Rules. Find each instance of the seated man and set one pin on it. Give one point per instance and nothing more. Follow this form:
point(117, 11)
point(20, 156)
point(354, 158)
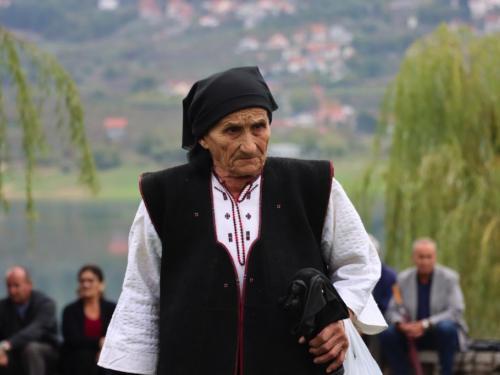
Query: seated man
point(28, 328)
point(434, 302)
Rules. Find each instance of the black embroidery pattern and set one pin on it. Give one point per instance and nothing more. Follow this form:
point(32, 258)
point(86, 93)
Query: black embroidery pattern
point(237, 222)
point(224, 195)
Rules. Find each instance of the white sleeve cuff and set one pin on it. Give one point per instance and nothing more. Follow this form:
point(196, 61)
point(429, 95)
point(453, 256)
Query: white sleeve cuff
point(370, 320)
point(119, 358)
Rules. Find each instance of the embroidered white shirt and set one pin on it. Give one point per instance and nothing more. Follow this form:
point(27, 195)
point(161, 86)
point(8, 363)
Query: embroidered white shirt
point(131, 343)
point(237, 221)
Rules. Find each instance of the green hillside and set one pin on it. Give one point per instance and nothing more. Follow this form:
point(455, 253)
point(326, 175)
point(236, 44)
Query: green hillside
point(127, 63)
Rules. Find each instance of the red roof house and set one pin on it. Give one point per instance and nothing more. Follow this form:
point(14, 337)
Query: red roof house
point(115, 126)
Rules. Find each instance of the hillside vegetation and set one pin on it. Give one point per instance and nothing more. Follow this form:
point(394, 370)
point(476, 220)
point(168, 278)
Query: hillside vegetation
point(126, 63)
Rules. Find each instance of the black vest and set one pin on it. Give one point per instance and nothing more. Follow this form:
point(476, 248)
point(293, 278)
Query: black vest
point(205, 327)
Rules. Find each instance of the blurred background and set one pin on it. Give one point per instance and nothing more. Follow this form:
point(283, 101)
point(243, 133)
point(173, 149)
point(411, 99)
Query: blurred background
point(328, 64)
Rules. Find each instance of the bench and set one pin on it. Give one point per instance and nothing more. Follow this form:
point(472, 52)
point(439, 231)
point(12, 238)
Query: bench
point(466, 363)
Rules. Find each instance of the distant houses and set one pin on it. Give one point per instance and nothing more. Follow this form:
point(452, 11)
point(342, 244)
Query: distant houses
point(179, 10)
point(320, 48)
point(115, 127)
point(331, 112)
point(213, 12)
point(220, 7)
point(277, 41)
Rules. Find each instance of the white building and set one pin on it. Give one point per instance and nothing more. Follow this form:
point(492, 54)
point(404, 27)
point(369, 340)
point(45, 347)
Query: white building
point(479, 8)
point(208, 21)
point(108, 4)
point(492, 24)
point(285, 150)
point(248, 44)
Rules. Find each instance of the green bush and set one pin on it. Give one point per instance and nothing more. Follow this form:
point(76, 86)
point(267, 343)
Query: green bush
point(302, 99)
point(366, 122)
point(107, 158)
point(110, 73)
point(144, 84)
point(157, 149)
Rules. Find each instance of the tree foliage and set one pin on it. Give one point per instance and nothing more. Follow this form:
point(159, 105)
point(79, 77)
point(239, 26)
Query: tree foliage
point(66, 19)
point(31, 77)
point(442, 180)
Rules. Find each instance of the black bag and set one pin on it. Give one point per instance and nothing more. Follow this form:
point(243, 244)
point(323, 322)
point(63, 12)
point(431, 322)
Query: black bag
point(313, 303)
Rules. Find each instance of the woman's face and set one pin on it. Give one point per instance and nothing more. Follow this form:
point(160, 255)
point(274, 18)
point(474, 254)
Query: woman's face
point(89, 285)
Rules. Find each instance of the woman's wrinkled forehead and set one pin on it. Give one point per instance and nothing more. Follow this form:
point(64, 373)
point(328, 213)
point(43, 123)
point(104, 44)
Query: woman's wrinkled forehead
point(244, 115)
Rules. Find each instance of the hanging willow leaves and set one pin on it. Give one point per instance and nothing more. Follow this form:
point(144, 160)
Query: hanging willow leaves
point(49, 80)
point(442, 179)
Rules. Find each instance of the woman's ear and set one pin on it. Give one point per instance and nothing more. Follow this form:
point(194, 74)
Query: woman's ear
point(203, 143)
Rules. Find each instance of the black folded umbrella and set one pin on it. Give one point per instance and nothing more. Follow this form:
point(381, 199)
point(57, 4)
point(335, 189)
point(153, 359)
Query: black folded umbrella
point(313, 303)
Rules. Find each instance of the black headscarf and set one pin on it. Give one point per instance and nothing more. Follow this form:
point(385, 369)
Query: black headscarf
point(215, 97)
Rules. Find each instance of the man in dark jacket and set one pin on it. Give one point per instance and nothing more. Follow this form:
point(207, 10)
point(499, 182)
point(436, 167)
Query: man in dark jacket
point(28, 328)
point(383, 289)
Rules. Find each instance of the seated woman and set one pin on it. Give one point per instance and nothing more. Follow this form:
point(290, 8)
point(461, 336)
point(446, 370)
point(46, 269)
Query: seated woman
point(84, 324)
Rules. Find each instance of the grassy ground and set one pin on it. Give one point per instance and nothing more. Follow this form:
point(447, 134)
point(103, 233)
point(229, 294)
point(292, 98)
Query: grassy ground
point(51, 184)
point(121, 184)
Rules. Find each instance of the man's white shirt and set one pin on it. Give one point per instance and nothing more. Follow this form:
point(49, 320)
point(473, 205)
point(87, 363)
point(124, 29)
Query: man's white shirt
point(131, 343)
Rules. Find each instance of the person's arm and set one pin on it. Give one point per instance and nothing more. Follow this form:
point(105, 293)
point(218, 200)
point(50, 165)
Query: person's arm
point(44, 321)
point(72, 330)
point(4, 358)
point(131, 343)
point(456, 304)
point(353, 262)
point(354, 268)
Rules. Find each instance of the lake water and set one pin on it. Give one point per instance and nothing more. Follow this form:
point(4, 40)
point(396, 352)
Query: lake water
point(69, 235)
point(66, 236)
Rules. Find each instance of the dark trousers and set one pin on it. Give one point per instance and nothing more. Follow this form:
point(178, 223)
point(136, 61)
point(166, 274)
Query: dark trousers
point(35, 358)
point(443, 337)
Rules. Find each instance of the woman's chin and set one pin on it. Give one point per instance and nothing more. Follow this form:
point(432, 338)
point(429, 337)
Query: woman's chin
point(250, 169)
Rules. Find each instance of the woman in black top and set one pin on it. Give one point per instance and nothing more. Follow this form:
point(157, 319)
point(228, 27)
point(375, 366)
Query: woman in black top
point(84, 325)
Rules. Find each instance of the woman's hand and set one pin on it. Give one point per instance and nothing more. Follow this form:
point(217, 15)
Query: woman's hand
point(330, 344)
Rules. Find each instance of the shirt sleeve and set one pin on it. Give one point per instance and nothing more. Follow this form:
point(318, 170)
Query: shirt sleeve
point(131, 343)
point(352, 260)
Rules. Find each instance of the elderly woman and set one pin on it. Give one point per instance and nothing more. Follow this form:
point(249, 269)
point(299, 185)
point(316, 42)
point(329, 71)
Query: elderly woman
point(84, 324)
point(215, 243)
